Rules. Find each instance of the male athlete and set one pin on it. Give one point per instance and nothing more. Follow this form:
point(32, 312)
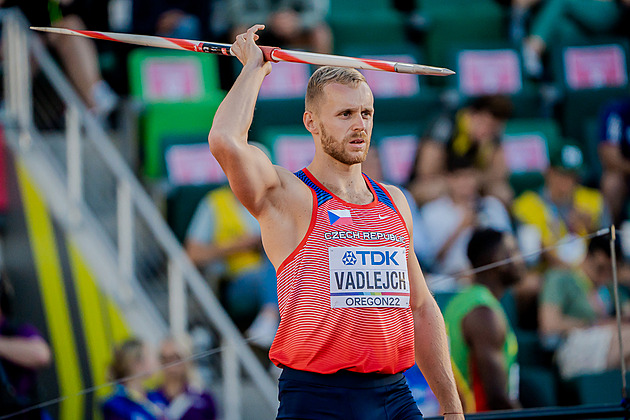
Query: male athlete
point(355, 309)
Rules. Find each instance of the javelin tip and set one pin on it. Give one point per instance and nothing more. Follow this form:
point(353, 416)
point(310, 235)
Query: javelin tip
point(48, 29)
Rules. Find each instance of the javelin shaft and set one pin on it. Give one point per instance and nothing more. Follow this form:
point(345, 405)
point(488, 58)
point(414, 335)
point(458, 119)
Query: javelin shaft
point(271, 53)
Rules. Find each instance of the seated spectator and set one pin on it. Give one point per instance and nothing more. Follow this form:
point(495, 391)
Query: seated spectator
point(289, 23)
point(180, 394)
point(131, 365)
point(449, 221)
point(563, 209)
point(170, 18)
point(614, 153)
point(520, 14)
point(574, 311)
point(483, 345)
point(23, 352)
point(78, 54)
point(224, 239)
point(570, 21)
point(474, 132)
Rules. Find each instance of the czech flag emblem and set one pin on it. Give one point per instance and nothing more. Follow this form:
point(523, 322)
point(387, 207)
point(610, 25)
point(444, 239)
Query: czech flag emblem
point(339, 217)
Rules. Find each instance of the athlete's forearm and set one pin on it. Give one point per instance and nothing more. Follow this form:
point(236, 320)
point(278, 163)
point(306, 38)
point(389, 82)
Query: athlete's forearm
point(432, 355)
point(235, 114)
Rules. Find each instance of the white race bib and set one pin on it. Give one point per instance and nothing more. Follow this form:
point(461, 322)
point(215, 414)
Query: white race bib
point(368, 277)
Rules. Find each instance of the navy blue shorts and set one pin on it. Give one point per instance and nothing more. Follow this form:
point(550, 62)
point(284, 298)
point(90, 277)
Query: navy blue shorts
point(345, 395)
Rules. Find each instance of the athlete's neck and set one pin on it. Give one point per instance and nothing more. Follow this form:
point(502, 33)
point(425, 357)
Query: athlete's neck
point(345, 181)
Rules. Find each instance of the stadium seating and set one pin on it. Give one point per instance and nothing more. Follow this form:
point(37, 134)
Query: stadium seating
point(451, 21)
point(493, 68)
point(281, 99)
point(595, 389)
point(179, 93)
point(291, 147)
point(377, 23)
point(397, 145)
point(527, 144)
point(588, 75)
point(181, 205)
point(190, 171)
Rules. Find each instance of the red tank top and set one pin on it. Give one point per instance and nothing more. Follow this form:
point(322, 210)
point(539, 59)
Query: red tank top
point(344, 291)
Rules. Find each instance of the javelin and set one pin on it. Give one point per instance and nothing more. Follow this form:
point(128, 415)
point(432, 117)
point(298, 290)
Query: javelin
point(272, 54)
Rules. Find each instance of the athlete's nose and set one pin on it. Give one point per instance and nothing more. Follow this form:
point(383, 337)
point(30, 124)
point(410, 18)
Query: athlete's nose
point(359, 123)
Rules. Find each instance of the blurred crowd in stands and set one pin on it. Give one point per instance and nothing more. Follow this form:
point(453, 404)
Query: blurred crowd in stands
point(179, 393)
point(504, 159)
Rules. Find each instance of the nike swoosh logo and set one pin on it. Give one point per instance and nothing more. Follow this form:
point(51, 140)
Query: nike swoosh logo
point(381, 217)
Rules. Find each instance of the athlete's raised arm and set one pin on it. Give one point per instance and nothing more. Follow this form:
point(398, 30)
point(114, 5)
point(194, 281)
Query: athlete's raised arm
point(249, 170)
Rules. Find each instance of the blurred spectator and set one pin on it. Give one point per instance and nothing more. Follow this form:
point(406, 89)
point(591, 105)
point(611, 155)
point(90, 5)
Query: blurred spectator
point(563, 210)
point(180, 395)
point(576, 309)
point(416, 24)
point(22, 352)
point(482, 342)
point(131, 365)
point(449, 221)
point(570, 21)
point(520, 13)
point(78, 54)
point(171, 18)
point(474, 131)
point(289, 23)
point(614, 152)
point(224, 238)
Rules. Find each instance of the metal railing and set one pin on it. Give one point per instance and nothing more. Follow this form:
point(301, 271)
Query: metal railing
point(594, 411)
point(93, 193)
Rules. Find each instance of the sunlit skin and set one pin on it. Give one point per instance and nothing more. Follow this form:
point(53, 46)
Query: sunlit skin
point(341, 125)
point(342, 122)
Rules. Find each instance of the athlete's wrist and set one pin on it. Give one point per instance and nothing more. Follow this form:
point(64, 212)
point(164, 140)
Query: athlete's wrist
point(254, 67)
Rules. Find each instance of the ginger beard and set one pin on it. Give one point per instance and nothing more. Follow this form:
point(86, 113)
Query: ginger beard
point(337, 150)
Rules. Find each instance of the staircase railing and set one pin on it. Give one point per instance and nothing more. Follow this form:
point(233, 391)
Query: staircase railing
point(96, 196)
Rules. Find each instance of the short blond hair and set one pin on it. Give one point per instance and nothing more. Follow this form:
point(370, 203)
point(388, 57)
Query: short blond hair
point(326, 75)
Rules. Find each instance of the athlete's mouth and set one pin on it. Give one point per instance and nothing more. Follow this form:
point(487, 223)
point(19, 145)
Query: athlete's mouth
point(357, 141)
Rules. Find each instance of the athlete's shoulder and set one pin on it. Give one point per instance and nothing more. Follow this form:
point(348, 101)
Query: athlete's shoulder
point(397, 195)
point(393, 190)
point(289, 179)
point(400, 201)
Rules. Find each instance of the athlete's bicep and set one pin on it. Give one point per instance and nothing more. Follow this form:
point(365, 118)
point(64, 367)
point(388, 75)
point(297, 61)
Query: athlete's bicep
point(249, 171)
point(419, 290)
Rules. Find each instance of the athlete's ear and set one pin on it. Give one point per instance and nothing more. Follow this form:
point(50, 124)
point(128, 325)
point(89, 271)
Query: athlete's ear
point(310, 123)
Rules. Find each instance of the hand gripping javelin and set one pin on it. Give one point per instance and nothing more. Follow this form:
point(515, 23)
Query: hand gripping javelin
point(272, 54)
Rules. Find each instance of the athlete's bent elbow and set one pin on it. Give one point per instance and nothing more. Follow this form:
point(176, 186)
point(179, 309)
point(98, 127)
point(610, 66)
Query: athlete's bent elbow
point(219, 143)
